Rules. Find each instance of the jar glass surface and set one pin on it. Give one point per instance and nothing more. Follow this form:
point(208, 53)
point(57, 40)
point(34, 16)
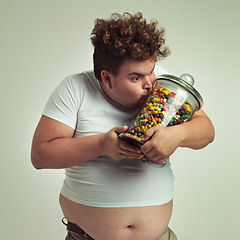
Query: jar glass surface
point(170, 103)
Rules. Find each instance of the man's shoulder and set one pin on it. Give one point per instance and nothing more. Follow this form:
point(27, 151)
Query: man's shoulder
point(159, 70)
point(81, 79)
point(82, 75)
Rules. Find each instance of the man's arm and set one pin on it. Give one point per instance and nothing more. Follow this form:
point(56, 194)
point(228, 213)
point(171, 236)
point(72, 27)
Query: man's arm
point(54, 147)
point(198, 132)
point(195, 134)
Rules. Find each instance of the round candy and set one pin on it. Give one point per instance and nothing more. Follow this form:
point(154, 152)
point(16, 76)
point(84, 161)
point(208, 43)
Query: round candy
point(164, 108)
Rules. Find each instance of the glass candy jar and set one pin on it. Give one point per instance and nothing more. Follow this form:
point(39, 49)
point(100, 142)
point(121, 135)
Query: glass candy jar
point(172, 101)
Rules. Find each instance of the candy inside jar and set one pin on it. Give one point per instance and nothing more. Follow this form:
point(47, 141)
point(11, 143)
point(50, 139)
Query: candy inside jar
point(172, 101)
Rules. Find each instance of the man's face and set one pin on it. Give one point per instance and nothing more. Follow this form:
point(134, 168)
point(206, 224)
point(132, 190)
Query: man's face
point(132, 84)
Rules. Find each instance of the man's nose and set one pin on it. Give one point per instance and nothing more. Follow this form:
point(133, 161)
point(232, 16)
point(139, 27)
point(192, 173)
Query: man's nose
point(148, 83)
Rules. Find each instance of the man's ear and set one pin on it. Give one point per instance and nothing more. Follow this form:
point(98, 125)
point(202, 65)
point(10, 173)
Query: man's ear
point(106, 79)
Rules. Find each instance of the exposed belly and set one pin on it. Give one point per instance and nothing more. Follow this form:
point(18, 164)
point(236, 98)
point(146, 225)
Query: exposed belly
point(131, 223)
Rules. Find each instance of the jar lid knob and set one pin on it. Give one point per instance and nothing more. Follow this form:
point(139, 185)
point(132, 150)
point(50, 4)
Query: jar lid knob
point(187, 78)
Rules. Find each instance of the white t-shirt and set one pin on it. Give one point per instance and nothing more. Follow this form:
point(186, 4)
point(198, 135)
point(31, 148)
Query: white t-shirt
point(80, 103)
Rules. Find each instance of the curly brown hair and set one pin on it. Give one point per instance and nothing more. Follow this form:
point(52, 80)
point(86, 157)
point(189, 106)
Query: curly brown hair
point(126, 36)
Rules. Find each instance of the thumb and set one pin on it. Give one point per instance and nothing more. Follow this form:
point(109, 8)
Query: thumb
point(120, 129)
point(148, 134)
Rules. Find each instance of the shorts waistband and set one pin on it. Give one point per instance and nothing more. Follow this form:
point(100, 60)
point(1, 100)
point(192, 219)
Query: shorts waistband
point(75, 228)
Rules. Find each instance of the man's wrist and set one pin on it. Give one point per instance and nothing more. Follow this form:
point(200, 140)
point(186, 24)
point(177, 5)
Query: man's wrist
point(183, 134)
point(100, 144)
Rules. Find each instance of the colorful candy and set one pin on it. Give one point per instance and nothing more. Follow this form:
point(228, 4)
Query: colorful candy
point(163, 108)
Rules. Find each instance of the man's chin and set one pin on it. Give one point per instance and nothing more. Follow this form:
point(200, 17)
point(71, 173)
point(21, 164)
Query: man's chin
point(142, 101)
point(139, 103)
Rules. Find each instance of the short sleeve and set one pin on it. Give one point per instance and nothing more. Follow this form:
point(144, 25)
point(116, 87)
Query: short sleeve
point(159, 71)
point(63, 104)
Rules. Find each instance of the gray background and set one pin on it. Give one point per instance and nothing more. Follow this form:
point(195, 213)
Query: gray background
point(43, 41)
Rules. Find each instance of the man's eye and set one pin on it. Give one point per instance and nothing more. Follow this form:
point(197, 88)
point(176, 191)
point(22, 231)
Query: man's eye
point(136, 78)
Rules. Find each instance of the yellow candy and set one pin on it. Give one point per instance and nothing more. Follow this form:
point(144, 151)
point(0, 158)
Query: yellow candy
point(155, 123)
point(164, 113)
point(166, 91)
point(189, 108)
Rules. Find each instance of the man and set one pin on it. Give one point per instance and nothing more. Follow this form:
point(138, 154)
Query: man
point(109, 193)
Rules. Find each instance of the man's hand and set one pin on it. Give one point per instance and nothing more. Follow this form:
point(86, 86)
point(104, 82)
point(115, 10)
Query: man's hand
point(111, 145)
point(161, 142)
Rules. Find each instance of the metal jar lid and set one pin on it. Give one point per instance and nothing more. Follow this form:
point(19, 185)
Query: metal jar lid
point(186, 81)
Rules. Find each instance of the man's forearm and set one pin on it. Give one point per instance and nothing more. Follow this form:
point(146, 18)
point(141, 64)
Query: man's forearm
point(198, 132)
point(66, 152)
